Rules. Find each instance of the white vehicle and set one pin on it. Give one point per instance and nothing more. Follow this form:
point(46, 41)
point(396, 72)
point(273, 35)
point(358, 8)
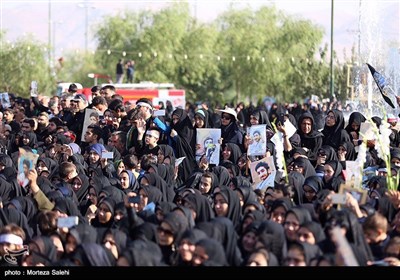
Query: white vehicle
point(63, 88)
point(154, 91)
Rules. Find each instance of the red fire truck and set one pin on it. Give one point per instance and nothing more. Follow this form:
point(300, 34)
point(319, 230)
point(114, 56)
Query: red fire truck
point(155, 92)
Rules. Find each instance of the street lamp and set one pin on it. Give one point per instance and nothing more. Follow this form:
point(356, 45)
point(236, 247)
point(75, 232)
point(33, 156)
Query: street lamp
point(54, 25)
point(332, 73)
point(86, 6)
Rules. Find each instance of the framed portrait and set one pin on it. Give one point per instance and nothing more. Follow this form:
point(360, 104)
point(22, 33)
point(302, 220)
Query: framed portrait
point(263, 173)
point(208, 145)
point(359, 194)
point(258, 140)
point(5, 100)
point(91, 117)
point(26, 161)
point(353, 173)
point(367, 131)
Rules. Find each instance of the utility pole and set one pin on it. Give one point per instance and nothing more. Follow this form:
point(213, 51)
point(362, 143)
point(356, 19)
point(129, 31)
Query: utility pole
point(359, 34)
point(54, 37)
point(49, 36)
point(332, 77)
point(86, 26)
point(86, 6)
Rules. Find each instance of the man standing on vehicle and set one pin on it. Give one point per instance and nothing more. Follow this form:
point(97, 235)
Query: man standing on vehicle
point(119, 72)
point(130, 71)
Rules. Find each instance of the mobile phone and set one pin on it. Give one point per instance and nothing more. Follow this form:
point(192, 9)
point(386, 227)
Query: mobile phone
point(380, 263)
point(159, 113)
point(107, 155)
point(338, 198)
point(134, 199)
point(3, 150)
point(34, 87)
point(67, 222)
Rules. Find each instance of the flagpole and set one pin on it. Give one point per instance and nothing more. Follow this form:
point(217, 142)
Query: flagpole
point(332, 77)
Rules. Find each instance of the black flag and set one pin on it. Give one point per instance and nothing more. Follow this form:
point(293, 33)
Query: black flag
point(386, 91)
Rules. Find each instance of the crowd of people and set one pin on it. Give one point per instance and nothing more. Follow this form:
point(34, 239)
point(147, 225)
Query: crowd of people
point(130, 191)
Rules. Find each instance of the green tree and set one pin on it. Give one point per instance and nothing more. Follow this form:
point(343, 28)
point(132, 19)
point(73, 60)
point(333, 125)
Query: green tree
point(267, 52)
point(243, 55)
point(117, 35)
point(76, 67)
point(21, 62)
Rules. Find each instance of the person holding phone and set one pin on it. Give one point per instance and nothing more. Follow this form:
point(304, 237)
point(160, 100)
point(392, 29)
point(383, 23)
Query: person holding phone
point(97, 161)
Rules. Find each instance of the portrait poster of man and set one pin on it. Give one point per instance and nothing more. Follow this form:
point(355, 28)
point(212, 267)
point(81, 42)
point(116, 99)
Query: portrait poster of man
point(91, 117)
point(208, 145)
point(5, 100)
point(263, 173)
point(26, 161)
point(258, 140)
point(353, 172)
point(367, 130)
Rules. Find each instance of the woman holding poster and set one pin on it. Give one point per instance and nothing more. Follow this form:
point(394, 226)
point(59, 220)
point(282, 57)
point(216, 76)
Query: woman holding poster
point(230, 131)
point(26, 161)
point(207, 144)
point(259, 117)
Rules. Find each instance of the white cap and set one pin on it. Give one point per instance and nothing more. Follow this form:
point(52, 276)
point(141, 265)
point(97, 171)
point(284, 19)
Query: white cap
point(229, 111)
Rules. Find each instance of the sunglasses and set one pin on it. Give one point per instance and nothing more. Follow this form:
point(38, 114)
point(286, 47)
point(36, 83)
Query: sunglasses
point(165, 231)
point(226, 117)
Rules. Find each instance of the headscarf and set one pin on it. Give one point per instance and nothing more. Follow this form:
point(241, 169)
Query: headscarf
point(182, 143)
point(334, 135)
point(214, 251)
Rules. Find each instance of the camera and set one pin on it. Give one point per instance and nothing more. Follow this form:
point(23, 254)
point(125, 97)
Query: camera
point(3, 150)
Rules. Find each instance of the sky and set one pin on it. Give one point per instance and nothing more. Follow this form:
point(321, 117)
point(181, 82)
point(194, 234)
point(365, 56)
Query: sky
point(19, 18)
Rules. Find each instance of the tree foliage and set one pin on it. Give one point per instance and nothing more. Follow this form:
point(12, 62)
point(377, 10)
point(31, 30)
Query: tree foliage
point(244, 54)
point(22, 62)
point(76, 67)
